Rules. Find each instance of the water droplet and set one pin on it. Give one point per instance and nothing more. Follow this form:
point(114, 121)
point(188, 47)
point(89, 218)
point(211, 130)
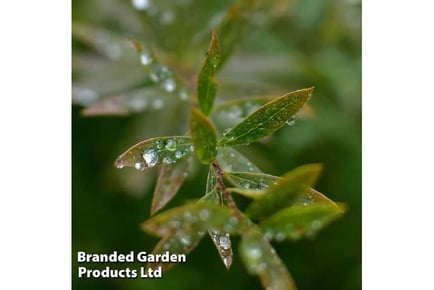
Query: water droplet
point(145, 58)
point(151, 157)
point(226, 131)
point(140, 166)
point(159, 144)
point(254, 253)
point(291, 121)
point(225, 242)
point(246, 185)
point(167, 17)
point(185, 239)
point(179, 154)
point(141, 4)
point(171, 145)
point(280, 236)
point(157, 104)
point(137, 103)
point(183, 95)
point(227, 260)
point(169, 85)
point(269, 234)
point(168, 160)
point(174, 222)
point(84, 96)
point(204, 214)
point(191, 148)
point(159, 72)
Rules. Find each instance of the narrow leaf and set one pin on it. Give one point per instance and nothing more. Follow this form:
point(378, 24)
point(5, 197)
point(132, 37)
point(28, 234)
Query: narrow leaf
point(204, 136)
point(190, 218)
point(155, 151)
point(233, 25)
point(178, 243)
point(230, 159)
point(261, 259)
point(206, 86)
point(267, 119)
point(230, 113)
point(169, 181)
point(295, 222)
point(285, 191)
point(312, 196)
point(252, 181)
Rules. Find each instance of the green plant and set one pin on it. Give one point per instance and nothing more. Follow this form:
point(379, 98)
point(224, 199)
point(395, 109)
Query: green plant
point(282, 208)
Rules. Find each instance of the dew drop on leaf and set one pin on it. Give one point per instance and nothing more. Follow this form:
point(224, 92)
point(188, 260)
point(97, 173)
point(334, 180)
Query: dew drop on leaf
point(171, 145)
point(141, 4)
point(140, 166)
point(145, 58)
point(291, 121)
point(151, 157)
point(169, 85)
point(179, 154)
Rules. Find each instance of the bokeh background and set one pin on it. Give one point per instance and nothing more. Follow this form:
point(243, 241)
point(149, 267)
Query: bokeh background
point(287, 45)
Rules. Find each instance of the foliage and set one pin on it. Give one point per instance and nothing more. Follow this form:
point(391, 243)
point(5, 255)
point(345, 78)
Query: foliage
point(160, 78)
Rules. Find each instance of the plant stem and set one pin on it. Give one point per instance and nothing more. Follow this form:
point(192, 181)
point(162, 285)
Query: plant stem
point(227, 195)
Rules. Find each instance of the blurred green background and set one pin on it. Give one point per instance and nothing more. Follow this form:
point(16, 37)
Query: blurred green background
point(287, 45)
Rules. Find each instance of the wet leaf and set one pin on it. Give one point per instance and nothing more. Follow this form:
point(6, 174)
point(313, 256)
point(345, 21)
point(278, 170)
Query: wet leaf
point(211, 180)
point(178, 243)
point(105, 42)
point(295, 222)
point(285, 192)
point(233, 25)
point(155, 151)
point(261, 259)
point(230, 159)
point(204, 136)
point(197, 217)
point(206, 86)
point(252, 181)
point(169, 181)
point(267, 119)
point(312, 196)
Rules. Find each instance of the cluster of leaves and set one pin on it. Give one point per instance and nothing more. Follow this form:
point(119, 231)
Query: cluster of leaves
point(282, 208)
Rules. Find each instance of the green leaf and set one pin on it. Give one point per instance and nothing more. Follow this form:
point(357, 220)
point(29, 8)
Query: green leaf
point(155, 151)
point(252, 181)
point(267, 119)
point(206, 86)
point(204, 136)
point(261, 259)
point(178, 243)
point(169, 181)
point(312, 196)
point(230, 113)
point(232, 26)
point(197, 217)
point(285, 191)
point(295, 222)
point(230, 159)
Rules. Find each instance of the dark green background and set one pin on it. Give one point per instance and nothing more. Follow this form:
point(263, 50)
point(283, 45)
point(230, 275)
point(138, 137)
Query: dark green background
point(296, 45)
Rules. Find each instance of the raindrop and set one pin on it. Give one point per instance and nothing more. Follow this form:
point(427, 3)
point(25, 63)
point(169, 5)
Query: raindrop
point(145, 58)
point(185, 239)
point(150, 157)
point(157, 104)
point(225, 132)
point(254, 253)
point(141, 4)
point(159, 144)
point(171, 145)
point(191, 148)
point(169, 85)
point(159, 72)
point(140, 166)
point(227, 260)
point(246, 185)
point(167, 17)
point(168, 160)
point(291, 121)
point(183, 95)
point(204, 214)
point(280, 236)
point(225, 242)
point(269, 235)
point(179, 154)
